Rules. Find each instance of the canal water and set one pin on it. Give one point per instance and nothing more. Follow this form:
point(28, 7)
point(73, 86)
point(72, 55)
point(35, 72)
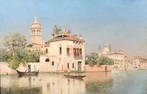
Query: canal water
point(133, 82)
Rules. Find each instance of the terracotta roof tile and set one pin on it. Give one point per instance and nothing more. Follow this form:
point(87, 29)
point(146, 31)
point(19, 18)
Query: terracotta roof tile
point(73, 37)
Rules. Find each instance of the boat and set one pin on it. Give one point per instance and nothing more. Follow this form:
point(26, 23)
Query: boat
point(30, 73)
point(76, 76)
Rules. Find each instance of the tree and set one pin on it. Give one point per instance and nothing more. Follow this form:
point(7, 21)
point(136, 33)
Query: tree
point(3, 54)
point(92, 59)
point(57, 30)
point(105, 61)
point(14, 62)
point(15, 45)
point(31, 56)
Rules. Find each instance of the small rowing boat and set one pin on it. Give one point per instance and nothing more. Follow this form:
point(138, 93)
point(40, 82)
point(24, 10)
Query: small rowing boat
point(32, 73)
point(76, 76)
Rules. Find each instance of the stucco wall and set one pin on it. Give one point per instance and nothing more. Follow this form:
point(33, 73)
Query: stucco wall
point(62, 60)
point(98, 68)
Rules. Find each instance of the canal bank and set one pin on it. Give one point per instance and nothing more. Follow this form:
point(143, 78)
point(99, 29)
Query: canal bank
point(43, 68)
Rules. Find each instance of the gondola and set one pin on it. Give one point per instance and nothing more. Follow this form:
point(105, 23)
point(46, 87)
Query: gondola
point(32, 73)
point(75, 76)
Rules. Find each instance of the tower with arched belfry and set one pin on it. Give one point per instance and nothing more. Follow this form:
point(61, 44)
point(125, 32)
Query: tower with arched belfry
point(36, 35)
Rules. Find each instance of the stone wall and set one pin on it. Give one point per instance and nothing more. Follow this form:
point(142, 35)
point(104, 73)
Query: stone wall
point(42, 67)
point(98, 68)
point(45, 67)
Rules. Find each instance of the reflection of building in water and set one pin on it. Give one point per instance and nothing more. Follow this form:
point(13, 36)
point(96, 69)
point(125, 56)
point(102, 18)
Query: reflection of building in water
point(98, 76)
point(98, 82)
point(21, 90)
point(58, 84)
point(50, 84)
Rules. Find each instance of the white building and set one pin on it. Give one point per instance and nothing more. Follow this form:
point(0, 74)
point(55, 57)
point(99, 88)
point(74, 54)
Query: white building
point(64, 52)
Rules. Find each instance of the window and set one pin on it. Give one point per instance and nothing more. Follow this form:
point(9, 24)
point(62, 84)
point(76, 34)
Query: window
point(80, 52)
point(68, 51)
point(46, 51)
point(77, 51)
point(73, 65)
point(68, 65)
point(52, 63)
point(74, 51)
point(47, 60)
point(60, 50)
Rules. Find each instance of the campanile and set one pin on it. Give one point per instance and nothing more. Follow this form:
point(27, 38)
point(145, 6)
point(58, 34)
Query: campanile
point(36, 35)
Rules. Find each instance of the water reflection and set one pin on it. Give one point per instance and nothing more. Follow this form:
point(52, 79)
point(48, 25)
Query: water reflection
point(21, 90)
point(99, 87)
point(98, 83)
point(94, 83)
point(132, 82)
point(49, 83)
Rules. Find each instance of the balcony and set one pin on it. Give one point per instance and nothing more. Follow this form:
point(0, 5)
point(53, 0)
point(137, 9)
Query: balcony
point(78, 57)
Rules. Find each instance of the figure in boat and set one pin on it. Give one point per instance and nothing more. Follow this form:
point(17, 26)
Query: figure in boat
point(28, 72)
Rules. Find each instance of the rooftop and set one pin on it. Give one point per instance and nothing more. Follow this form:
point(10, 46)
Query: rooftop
point(60, 35)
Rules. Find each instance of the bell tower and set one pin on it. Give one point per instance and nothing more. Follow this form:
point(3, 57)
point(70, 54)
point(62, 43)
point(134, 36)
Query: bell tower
point(36, 35)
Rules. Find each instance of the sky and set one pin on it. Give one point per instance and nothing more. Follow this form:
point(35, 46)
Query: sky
point(122, 23)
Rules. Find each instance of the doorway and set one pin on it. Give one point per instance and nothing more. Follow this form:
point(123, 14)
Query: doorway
point(79, 65)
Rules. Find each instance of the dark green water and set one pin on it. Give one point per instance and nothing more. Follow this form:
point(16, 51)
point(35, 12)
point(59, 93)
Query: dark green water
point(134, 82)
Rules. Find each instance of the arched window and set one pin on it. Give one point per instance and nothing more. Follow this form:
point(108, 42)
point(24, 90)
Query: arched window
point(47, 60)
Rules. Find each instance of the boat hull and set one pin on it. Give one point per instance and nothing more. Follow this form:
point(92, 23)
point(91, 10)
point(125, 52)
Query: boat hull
point(33, 73)
point(75, 76)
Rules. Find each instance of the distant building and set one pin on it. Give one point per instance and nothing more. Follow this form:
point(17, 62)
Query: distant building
point(139, 61)
point(119, 57)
